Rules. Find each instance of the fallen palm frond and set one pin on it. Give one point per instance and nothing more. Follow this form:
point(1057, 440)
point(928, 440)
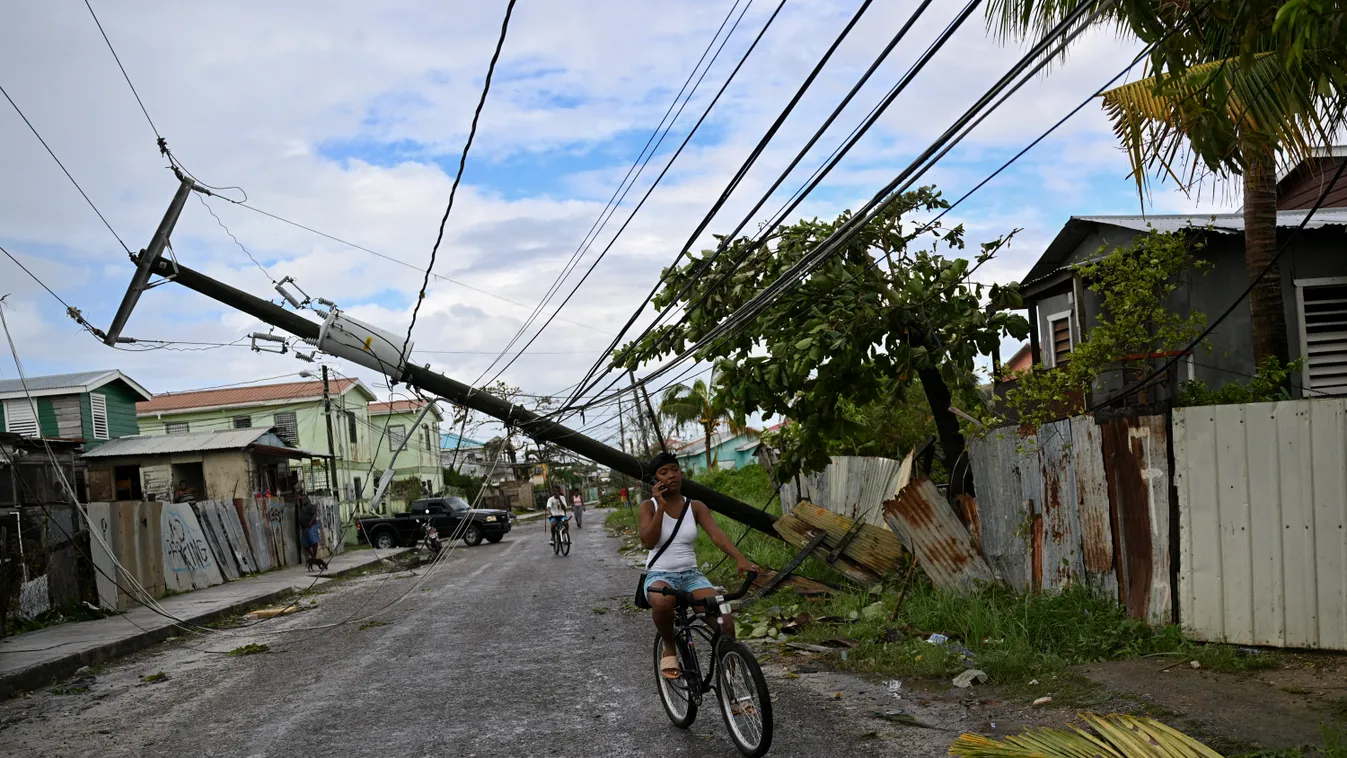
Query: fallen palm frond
point(1116, 736)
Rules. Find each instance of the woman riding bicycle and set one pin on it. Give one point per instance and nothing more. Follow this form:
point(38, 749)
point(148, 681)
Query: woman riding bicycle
point(663, 521)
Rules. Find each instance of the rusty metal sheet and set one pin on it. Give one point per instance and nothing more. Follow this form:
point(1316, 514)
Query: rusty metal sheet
point(873, 552)
point(851, 486)
point(1059, 559)
point(929, 529)
point(1009, 486)
point(1092, 499)
point(1136, 454)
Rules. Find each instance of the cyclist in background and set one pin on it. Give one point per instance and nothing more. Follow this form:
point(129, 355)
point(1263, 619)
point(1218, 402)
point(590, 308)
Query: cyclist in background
point(556, 513)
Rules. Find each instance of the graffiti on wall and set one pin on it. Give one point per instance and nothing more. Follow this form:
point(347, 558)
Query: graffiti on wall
point(188, 561)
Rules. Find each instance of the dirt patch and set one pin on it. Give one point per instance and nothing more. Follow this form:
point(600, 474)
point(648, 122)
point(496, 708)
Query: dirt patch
point(1271, 709)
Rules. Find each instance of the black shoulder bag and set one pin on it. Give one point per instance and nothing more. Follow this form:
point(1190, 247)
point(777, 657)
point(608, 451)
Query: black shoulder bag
point(641, 601)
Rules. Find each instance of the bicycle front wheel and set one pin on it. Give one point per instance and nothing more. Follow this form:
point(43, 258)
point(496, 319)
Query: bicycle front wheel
point(675, 694)
point(566, 542)
point(744, 700)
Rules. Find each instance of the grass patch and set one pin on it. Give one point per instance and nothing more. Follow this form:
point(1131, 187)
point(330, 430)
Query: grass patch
point(373, 624)
point(1232, 660)
point(249, 649)
point(158, 676)
point(67, 690)
point(1014, 638)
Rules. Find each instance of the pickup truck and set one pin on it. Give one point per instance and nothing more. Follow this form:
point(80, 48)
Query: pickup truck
point(451, 516)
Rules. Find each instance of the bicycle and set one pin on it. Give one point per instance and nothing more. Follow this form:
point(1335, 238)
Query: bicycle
point(733, 672)
point(561, 537)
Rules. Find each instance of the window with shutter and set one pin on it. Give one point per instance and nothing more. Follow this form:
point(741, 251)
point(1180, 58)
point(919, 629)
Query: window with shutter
point(243, 422)
point(287, 426)
point(396, 434)
point(1059, 335)
point(99, 405)
point(350, 425)
point(1323, 334)
point(21, 417)
point(177, 427)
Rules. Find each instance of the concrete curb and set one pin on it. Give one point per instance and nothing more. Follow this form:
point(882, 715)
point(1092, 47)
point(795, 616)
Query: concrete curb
point(49, 672)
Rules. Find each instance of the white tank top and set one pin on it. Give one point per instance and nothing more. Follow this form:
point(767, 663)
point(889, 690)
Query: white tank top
point(681, 554)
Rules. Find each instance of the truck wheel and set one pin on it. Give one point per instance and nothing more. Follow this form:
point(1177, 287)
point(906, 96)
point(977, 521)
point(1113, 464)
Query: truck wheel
point(494, 538)
point(385, 540)
point(472, 536)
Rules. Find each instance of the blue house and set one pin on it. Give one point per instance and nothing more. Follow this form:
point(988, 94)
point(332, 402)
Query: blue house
point(727, 450)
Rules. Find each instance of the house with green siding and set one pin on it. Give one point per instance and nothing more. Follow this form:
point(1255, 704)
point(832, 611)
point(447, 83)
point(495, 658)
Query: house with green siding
point(91, 407)
point(420, 457)
point(296, 411)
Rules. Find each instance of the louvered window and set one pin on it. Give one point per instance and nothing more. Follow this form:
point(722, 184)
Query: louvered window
point(1323, 335)
point(21, 417)
point(178, 427)
point(396, 435)
point(287, 427)
point(1059, 336)
point(99, 405)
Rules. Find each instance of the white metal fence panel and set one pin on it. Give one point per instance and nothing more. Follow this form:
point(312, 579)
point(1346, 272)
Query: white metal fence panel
point(1262, 494)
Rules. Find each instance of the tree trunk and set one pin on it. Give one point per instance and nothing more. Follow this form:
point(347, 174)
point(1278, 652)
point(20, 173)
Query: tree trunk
point(709, 464)
point(1267, 314)
point(947, 430)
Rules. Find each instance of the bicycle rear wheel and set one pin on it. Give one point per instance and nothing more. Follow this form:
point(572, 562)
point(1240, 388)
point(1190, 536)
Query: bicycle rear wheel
point(744, 700)
point(565, 542)
point(675, 694)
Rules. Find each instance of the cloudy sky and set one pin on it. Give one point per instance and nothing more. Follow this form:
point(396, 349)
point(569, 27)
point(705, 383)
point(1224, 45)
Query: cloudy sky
point(349, 117)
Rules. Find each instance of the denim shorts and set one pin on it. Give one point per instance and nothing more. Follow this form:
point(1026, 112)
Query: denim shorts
point(685, 581)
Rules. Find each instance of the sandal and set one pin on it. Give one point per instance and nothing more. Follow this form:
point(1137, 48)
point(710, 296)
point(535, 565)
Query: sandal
point(668, 667)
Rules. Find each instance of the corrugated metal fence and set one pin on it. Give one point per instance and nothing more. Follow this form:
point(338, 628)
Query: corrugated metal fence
point(1262, 500)
point(1083, 501)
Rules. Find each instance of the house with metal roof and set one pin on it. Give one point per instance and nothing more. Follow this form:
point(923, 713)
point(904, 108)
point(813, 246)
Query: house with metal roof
point(1314, 281)
point(224, 464)
point(728, 450)
point(91, 407)
point(297, 412)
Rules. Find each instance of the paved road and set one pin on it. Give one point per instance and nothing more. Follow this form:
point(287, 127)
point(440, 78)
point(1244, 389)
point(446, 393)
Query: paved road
point(505, 651)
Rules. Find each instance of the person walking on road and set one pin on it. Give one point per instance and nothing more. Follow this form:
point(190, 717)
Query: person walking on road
point(578, 508)
point(668, 527)
point(308, 528)
point(556, 511)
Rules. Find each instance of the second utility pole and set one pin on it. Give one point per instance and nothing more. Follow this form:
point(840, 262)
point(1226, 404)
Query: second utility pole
point(331, 449)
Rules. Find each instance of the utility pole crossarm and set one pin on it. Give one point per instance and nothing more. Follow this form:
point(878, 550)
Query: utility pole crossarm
point(514, 416)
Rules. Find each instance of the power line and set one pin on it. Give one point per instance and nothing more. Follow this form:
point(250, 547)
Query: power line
point(458, 177)
point(66, 171)
point(667, 166)
point(126, 76)
point(211, 211)
point(800, 155)
point(620, 193)
point(759, 301)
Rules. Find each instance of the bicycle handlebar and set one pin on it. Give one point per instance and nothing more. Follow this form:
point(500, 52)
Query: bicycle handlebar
point(690, 600)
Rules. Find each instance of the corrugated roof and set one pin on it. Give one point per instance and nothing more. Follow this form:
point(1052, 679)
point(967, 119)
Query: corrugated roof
point(449, 441)
point(197, 442)
point(82, 381)
point(263, 393)
point(1079, 227)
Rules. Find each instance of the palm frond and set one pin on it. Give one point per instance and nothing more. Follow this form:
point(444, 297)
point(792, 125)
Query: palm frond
point(1116, 736)
point(1210, 112)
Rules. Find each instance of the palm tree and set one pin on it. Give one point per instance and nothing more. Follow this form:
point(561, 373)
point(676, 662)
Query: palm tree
point(1116, 735)
point(1232, 85)
point(701, 405)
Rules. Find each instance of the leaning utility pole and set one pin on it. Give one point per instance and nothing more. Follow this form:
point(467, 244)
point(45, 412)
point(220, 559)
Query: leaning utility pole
point(345, 337)
point(331, 447)
point(621, 424)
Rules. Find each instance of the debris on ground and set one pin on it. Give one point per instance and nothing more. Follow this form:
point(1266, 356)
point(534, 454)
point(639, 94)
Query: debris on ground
point(266, 613)
point(249, 649)
point(937, 639)
point(901, 717)
point(969, 677)
point(1043, 701)
point(1195, 665)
